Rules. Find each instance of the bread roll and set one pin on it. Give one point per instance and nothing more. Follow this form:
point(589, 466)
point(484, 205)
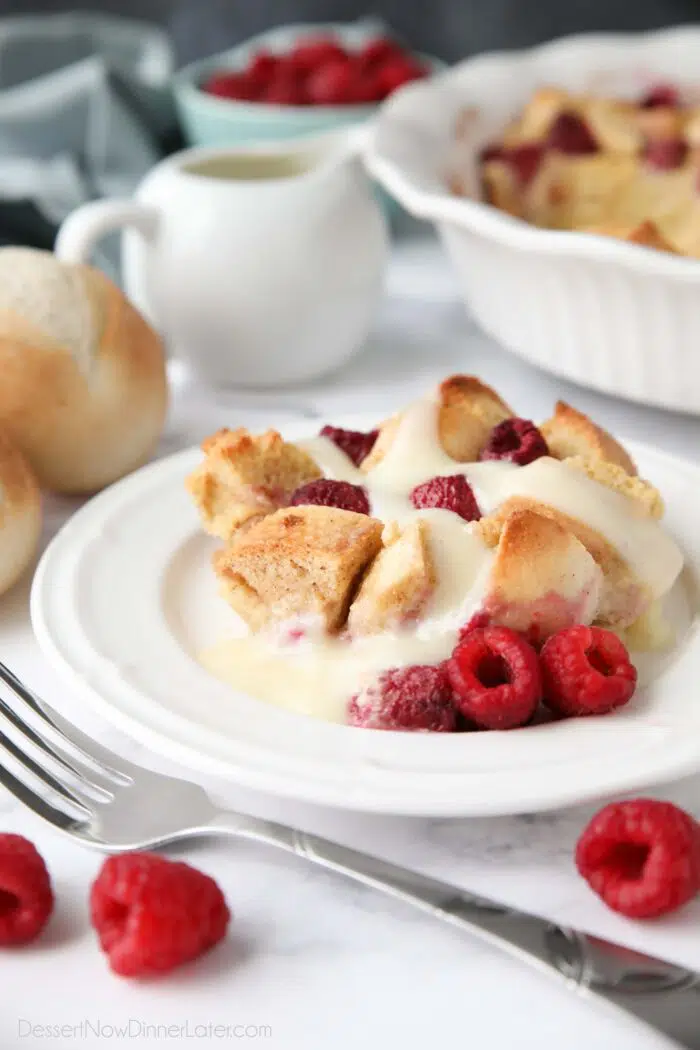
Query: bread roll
point(20, 514)
point(82, 375)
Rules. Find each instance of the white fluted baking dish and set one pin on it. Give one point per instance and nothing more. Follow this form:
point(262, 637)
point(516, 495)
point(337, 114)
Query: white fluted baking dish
point(604, 313)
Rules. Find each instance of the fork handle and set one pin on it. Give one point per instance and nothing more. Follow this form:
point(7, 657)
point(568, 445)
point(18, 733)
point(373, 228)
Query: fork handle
point(656, 992)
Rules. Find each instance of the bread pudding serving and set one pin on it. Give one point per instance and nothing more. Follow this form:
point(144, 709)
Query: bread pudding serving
point(626, 169)
point(459, 567)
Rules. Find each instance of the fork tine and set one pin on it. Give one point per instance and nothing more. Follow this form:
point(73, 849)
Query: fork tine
point(53, 741)
point(82, 774)
point(35, 802)
point(42, 775)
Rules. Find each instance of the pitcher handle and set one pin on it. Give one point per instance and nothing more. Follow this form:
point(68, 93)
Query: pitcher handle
point(88, 224)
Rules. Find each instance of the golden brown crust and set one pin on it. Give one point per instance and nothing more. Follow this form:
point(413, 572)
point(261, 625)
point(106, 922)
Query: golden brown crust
point(20, 513)
point(244, 477)
point(570, 433)
point(623, 596)
point(468, 412)
point(646, 497)
point(399, 582)
point(646, 233)
point(543, 578)
point(298, 563)
point(88, 411)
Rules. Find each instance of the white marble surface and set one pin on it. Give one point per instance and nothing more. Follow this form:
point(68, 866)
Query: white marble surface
point(316, 961)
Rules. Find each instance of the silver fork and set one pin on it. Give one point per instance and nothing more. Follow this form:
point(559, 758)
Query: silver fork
point(105, 802)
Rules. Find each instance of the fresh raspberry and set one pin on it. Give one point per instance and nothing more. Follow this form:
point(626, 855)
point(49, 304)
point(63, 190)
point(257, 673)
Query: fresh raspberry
point(661, 95)
point(233, 86)
point(153, 914)
point(449, 492)
point(333, 83)
point(476, 622)
point(397, 71)
point(327, 493)
point(261, 69)
point(284, 88)
point(641, 857)
point(26, 898)
point(586, 671)
point(354, 443)
point(406, 698)
point(495, 678)
point(312, 53)
point(377, 51)
point(570, 134)
point(665, 154)
point(517, 441)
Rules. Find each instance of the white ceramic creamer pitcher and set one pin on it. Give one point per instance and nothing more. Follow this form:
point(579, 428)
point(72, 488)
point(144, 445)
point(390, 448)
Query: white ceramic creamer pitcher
point(259, 266)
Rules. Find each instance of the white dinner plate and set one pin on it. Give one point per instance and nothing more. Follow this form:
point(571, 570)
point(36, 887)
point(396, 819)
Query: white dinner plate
point(124, 598)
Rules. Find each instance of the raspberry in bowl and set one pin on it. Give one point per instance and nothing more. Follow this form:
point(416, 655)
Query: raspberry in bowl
point(292, 81)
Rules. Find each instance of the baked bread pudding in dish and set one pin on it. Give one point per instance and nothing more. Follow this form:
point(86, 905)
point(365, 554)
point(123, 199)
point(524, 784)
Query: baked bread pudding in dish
point(626, 169)
point(453, 569)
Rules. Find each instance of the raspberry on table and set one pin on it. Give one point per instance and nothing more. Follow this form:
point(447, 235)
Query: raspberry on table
point(324, 492)
point(586, 671)
point(495, 678)
point(406, 698)
point(448, 492)
point(356, 444)
point(516, 441)
point(152, 914)
point(570, 134)
point(26, 897)
point(642, 857)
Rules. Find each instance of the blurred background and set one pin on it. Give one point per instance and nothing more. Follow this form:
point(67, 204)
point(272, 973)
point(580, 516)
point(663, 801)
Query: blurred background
point(450, 29)
point(86, 95)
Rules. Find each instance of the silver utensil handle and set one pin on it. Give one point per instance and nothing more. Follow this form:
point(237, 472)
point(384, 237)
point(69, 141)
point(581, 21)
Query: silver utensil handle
point(655, 992)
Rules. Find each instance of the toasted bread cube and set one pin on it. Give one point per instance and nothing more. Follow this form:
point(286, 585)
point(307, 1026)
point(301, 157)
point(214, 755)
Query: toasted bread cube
point(299, 563)
point(244, 477)
point(500, 187)
point(399, 583)
point(543, 579)
point(647, 498)
point(646, 233)
point(623, 596)
point(467, 413)
point(570, 433)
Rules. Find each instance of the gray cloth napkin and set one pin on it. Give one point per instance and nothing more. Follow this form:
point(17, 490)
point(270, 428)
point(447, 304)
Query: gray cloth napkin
point(85, 111)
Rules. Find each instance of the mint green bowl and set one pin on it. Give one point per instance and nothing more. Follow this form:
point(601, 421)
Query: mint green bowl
point(210, 121)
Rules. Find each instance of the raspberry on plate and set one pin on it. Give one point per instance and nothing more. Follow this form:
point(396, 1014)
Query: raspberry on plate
point(495, 678)
point(356, 444)
point(516, 441)
point(152, 914)
point(449, 492)
point(406, 698)
point(586, 671)
point(26, 897)
point(332, 83)
point(328, 493)
point(641, 857)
